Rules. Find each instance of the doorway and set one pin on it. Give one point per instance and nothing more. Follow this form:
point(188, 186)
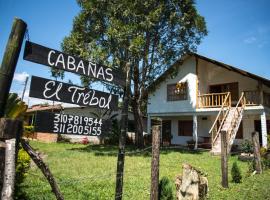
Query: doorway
point(166, 132)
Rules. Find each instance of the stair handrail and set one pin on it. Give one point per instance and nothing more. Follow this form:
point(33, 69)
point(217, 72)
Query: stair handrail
point(221, 109)
point(242, 100)
point(227, 98)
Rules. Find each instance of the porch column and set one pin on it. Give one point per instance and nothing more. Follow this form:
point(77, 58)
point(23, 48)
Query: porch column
point(264, 129)
point(195, 132)
point(148, 124)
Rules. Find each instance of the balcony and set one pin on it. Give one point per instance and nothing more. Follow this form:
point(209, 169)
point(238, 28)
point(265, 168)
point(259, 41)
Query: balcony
point(216, 100)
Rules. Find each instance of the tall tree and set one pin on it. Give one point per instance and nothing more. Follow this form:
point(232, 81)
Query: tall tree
point(149, 34)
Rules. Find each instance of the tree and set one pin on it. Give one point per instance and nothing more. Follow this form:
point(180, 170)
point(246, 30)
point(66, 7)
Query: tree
point(150, 35)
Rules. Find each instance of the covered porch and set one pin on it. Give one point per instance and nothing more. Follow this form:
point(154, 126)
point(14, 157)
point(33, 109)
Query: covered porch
point(187, 129)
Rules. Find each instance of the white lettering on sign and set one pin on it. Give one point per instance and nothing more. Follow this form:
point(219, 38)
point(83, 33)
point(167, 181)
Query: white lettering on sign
point(49, 57)
point(88, 69)
point(89, 98)
point(71, 61)
point(79, 125)
point(49, 86)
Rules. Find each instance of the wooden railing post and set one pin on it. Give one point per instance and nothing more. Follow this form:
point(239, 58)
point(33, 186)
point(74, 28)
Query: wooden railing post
point(10, 59)
point(155, 162)
point(256, 148)
point(9, 131)
point(224, 159)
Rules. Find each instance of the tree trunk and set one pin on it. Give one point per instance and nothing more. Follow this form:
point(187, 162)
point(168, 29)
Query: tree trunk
point(44, 168)
point(138, 120)
point(9, 174)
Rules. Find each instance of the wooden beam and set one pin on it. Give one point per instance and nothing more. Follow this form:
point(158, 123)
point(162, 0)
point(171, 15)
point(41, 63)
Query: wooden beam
point(10, 59)
point(155, 162)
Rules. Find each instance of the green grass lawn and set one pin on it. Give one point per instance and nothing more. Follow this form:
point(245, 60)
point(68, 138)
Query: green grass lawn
point(88, 172)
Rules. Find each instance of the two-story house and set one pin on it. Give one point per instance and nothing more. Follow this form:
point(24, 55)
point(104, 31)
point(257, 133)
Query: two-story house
point(197, 98)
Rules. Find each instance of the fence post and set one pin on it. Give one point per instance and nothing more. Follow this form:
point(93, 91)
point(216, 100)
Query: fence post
point(122, 138)
point(155, 162)
point(10, 59)
point(256, 149)
point(10, 130)
point(224, 159)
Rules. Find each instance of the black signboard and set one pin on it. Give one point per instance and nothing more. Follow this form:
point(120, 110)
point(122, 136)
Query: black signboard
point(56, 59)
point(58, 91)
point(48, 122)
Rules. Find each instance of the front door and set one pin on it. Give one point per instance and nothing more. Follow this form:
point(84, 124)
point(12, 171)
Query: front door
point(166, 132)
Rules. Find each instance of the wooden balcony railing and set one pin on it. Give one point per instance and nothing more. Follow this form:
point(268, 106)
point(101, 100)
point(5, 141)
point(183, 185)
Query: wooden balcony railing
point(266, 99)
point(214, 100)
point(252, 98)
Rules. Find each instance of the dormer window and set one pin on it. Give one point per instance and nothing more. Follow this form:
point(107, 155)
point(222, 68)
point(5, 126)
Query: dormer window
point(177, 91)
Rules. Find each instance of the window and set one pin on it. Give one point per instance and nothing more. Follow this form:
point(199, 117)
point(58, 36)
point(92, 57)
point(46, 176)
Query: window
point(176, 94)
point(185, 127)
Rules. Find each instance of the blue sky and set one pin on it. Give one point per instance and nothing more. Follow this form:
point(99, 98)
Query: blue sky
point(239, 32)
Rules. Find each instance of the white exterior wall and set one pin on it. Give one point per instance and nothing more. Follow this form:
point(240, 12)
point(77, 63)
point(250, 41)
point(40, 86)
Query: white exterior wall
point(157, 101)
point(210, 74)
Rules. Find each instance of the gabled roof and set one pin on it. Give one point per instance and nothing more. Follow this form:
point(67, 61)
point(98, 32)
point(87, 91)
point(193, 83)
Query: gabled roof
point(172, 68)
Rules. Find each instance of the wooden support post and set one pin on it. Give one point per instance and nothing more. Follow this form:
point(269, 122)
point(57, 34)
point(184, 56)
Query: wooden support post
point(9, 131)
point(9, 173)
point(256, 149)
point(10, 59)
point(44, 168)
point(224, 159)
point(122, 138)
point(155, 162)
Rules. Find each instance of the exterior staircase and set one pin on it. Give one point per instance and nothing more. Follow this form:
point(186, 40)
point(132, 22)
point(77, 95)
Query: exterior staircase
point(228, 120)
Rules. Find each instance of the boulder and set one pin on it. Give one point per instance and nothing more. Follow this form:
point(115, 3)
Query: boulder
point(191, 185)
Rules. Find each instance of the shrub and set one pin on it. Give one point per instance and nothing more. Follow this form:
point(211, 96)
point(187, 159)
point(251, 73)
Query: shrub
point(247, 147)
point(165, 189)
point(265, 163)
point(236, 173)
point(23, 165)
point(113, 137)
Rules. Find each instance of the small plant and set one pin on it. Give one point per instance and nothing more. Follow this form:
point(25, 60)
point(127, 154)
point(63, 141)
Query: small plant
point(247, 147)
point(165, 189)
point(23, 165)
point(236, 173)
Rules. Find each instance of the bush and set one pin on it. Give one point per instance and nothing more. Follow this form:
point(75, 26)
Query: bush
point(113, 137)
point(165, 189)
point(23, 165)
point(247, 147)
point(236, 173)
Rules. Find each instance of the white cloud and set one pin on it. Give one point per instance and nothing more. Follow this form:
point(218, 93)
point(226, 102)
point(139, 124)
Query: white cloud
point(250, 40)
point(20, 77)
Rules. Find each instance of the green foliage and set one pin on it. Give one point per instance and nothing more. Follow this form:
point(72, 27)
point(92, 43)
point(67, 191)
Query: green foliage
point(23, 164)
point(148, 35)
point(236, 173)
point(247, 146)
point(265, 163)
point(165, 189)
point(88, 172)
point(113, 137)
point(15, 108)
